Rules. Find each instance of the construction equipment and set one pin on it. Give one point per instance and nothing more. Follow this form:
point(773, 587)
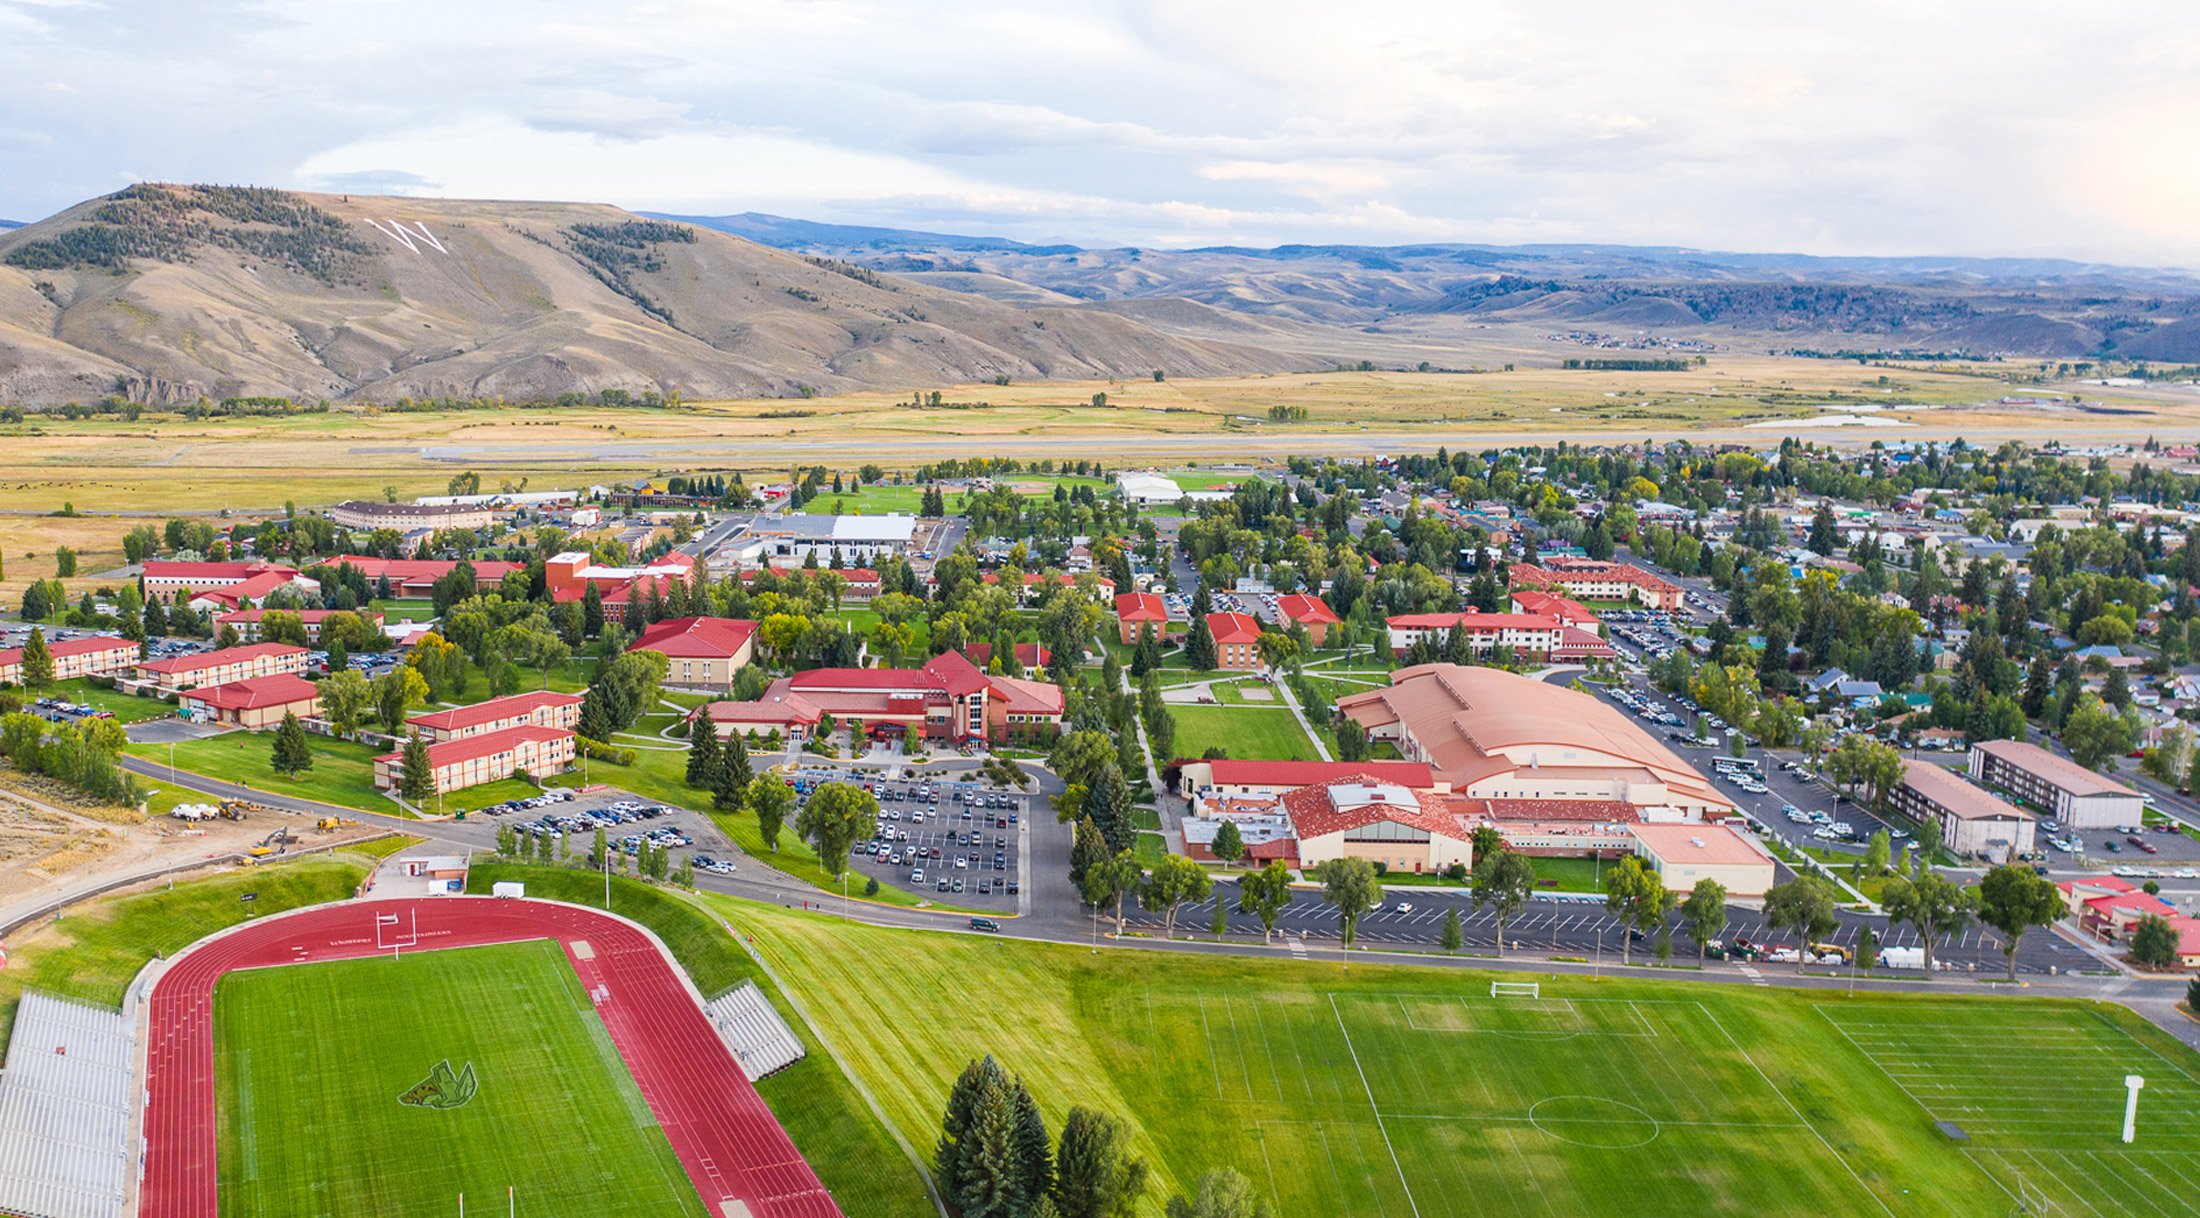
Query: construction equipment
point(233, 809)
point(329, 824)
point(273, 843)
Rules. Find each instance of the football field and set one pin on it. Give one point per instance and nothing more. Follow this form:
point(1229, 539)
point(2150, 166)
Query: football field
point(384, 1086)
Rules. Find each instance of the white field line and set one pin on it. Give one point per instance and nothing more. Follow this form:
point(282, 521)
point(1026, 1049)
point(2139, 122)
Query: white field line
point(1842, 1159)
point(1373, 1107)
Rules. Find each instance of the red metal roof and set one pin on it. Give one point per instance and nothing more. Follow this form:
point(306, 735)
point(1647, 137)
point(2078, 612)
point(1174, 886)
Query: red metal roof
point(717, 638)
point(254, 693)
point(1233, 627)
point(452, 752)
point(72, 647)
point(1137, 607)
point(1299, 607)
point(227, 655)
point(1475, 623)
point(1239, 773)
point(1314, 812)
point(507, 707)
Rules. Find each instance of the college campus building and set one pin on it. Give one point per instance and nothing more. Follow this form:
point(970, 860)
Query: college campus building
point(1589, 579)
point(1310, 613)
point(86, 657)
point(223, 666)
point(1498, 735)
point(239, 580)
point(1402, 829)
point(1972, 821)
point(1563, 610)
point(1528, 635)
point(700, 652)
point(949, 699)
point(1684, 855)
point(540, 708)
point(406, 517)
point(415, 577)
point(246, 622)
point(1134, 611)
point(1228, 777)
point(856, 539)
point(2109, 907)
point(1237, 641)
point(569, 575)
point(255, 702)
point(2075, 796)
point(490, 757)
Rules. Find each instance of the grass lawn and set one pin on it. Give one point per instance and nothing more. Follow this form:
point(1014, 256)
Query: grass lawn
point(342, 773)
point(1151, 848)
point(473, 799)
point(850, 1151)
point(1390, 1089)
point(1266, 734)
point(394, 611)
point(867, 501)
point(310, 1060)
point(94, 951)
point(384, 847)
point(126, 708)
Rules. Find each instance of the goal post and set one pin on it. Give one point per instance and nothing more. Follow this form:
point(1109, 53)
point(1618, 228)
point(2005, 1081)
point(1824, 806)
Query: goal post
point(1516, 989)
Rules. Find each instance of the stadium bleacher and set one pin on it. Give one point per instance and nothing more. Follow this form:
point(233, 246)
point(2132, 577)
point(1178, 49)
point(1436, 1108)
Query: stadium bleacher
point(761, 1041)
point(65, 1110)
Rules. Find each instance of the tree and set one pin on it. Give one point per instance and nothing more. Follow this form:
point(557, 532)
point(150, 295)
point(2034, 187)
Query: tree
point(1086, 848)
point(950, 1154)
point(2154, 942)
point(1878, 854)
point(990, 1183)
point(2094, 734)
point(1112, 880)
point(1199, 647)
point(1173, 881)
point(1504, 879)
point(293, 754)
point(1108, 804)
point(1095, 1173)
point(836, 817)
point(730, 778)
point(769, 798)
point(1222, 1193)
point(2013, 900)
point(64, 562)
point(344, 698)
point(37, 661)
point(1264, 894)
point(1451, 938)
point(416, 780)
point(1229, 844)
point(1349, 886)
point(702, 758)
point(396, 692)
point(1637, 897)
point(1804, 905)
point(1034, 1148)
point(1705, 910)
point(1932, 904)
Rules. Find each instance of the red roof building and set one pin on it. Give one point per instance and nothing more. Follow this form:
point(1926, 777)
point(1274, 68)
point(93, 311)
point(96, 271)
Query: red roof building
point(1360, 817)
point(415, 577)
point(1310, 613)
point(255, 702)
point(1135, 610)
point(538, 708)
point(1527, 635)
point(1589, 579)
point(96, 655)
point(490, 757)
point(223, 666)
point(246, 622)
point(165, 577)
point(701, 652)
point(1237, 641)
point(1230, 776)
point(947, 699)
point(1565, 611)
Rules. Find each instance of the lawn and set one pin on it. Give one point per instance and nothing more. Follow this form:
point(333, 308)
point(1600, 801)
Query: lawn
point(1395, 1090)
point(94, 951)
point(1268, 734)
point(867, 501)
point(395, 611)
point(126, 708)
point(342, 773)
point(844, 1143)
point(310, 1060)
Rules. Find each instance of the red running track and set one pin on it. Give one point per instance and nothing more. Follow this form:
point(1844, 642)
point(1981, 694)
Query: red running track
point(728, 1141)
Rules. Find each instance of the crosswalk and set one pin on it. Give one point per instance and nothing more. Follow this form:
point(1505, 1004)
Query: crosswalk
point(1297, 946)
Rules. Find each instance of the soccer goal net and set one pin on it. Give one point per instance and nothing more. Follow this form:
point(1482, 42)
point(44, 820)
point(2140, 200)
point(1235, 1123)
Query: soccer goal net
point(1515, 989)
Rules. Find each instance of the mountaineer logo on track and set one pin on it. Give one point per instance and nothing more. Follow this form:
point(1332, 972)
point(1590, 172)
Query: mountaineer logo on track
point(442, 1089)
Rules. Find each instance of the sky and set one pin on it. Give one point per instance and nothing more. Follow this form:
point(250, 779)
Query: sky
point(2008, 128)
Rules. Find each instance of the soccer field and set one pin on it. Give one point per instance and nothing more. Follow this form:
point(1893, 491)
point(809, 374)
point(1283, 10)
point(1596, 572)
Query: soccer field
point(335, 1098)
point(1392, 1091)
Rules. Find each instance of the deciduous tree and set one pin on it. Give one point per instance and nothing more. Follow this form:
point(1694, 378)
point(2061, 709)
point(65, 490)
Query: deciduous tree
point(837, 816)
point(2013, 900)
point(1351, 887)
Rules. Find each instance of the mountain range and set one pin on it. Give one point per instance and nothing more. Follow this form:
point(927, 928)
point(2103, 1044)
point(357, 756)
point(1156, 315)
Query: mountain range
point(166, 293)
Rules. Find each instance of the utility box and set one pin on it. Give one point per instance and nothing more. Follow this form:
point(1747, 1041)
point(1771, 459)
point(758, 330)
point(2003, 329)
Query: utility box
point(508, 888)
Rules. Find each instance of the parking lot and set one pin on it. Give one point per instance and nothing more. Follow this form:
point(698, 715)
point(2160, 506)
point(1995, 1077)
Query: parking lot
point(626, 821)
point(961, 843)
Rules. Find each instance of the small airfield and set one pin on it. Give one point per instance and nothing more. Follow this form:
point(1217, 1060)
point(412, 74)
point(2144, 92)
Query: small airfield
point(332, 1102)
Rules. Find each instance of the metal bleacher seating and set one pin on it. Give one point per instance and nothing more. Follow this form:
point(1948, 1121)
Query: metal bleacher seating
point(65, 1109)
point(760, 1040)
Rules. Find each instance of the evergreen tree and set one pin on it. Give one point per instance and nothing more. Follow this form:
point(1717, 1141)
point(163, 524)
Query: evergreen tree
point(991, 1184)
point(417, 779)
point(293, 754)
point(1087, 847)
point(702, 761)
point(592, 611)
point(730, 781)
point(1095, 1174)
point(1108, 804)
point(1034, 1148)
point(957, 1120)
point(37, 660)
point(1199, 646)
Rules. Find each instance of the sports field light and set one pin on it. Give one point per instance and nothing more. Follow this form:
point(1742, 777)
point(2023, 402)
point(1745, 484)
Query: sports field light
point(2132, 1083)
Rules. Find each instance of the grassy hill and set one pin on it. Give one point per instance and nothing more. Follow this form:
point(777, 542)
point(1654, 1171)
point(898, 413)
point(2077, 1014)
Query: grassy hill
point(179, 291)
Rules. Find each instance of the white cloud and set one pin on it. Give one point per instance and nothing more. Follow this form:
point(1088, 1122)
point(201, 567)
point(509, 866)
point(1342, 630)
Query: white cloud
point(2004, 127)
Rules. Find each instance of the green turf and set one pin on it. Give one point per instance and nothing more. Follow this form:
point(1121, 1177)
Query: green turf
point(1394, 1090)
point(1267, 733)
point(850, 1151)
point(94, 951)
point(127, 708)
point(310, 1060)
point(342, 773)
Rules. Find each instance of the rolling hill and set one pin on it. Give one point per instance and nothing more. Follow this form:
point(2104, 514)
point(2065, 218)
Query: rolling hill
point(168, 293)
